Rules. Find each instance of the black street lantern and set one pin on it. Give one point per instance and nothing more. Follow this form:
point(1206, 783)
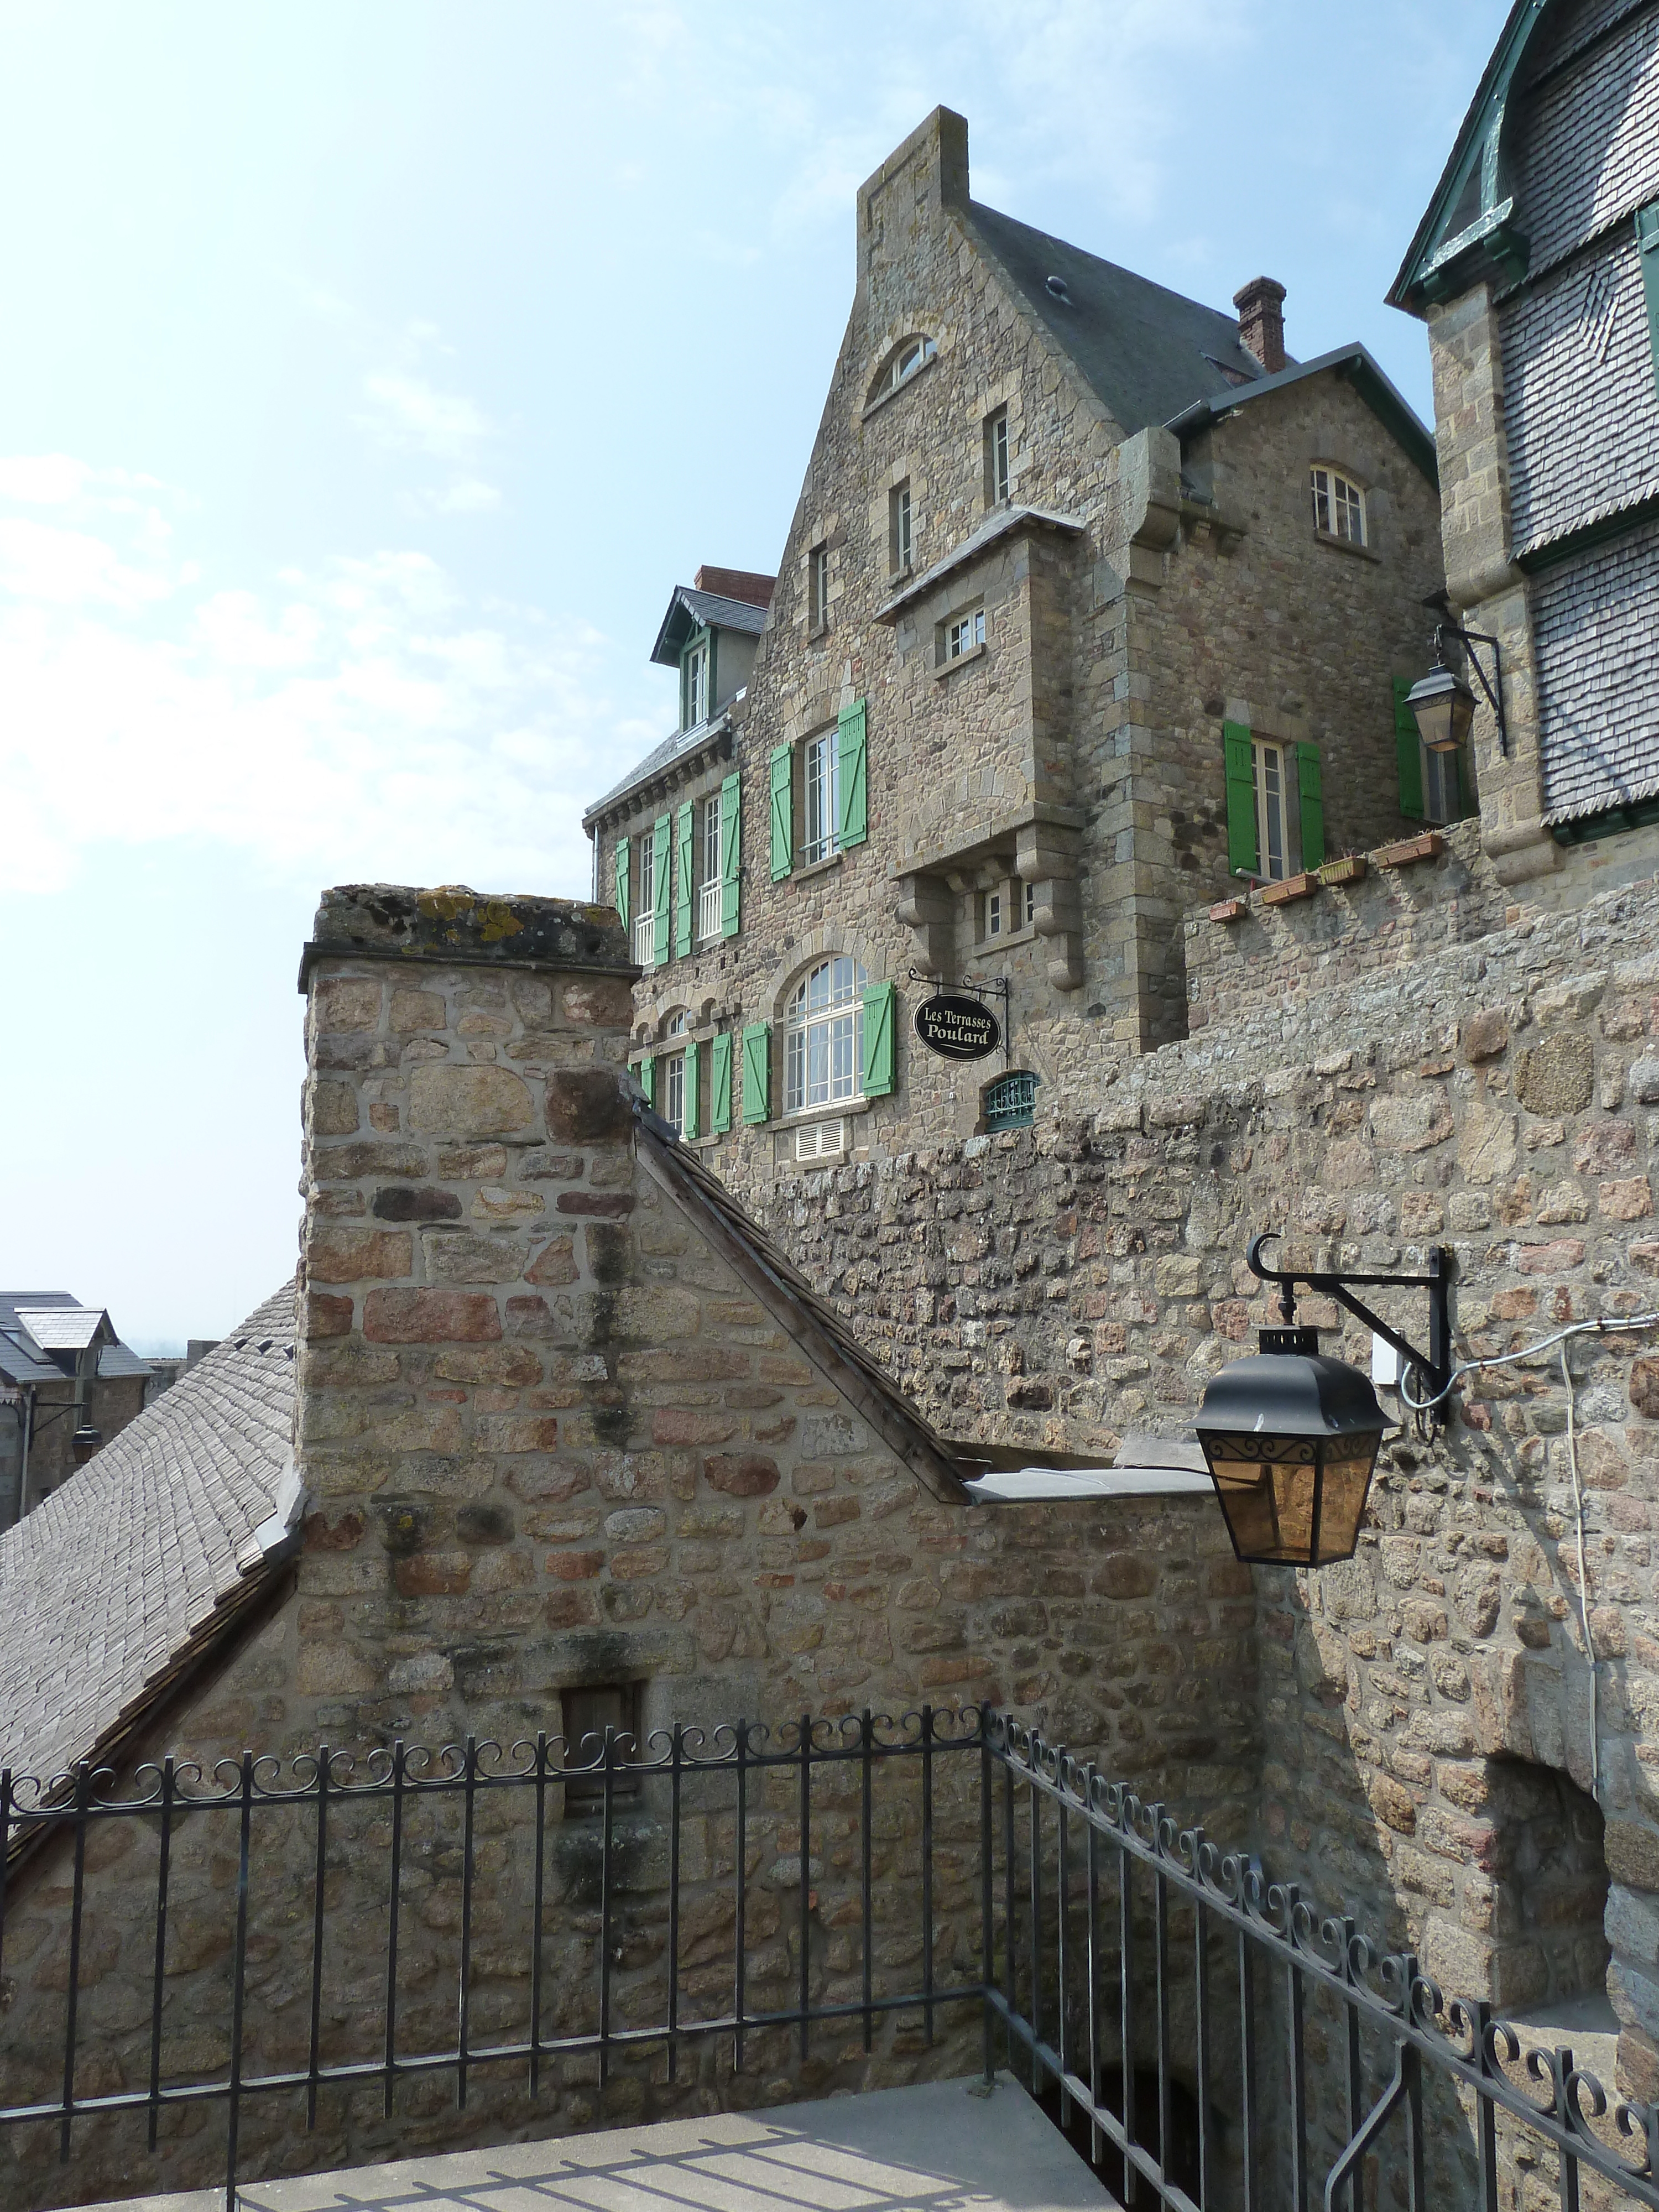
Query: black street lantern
point(1443, 707)
point(1291, 1437)
point(1441, 703)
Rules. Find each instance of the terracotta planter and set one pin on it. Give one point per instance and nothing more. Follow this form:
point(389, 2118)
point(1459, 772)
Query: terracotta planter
point(1293, 887)
point(1410, 850)
point(1349, 870)
point(1232, 909)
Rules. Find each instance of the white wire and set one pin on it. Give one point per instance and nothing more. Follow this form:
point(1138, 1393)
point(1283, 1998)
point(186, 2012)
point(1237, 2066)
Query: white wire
point(1584, 1583)
point(1530, 1351)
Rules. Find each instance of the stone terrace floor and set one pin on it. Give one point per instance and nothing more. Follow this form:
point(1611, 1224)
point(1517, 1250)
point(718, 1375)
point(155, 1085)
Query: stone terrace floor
point(938, 2148)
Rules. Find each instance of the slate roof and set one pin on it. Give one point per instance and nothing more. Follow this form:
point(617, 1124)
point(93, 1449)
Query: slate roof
point(682, 741)
point(111, 1587)
point(708, 610)
point(1354, 366)
point(1146, 352)
point(36, 1324)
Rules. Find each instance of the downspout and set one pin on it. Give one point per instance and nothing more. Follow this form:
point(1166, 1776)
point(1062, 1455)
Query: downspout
point(27, 1418)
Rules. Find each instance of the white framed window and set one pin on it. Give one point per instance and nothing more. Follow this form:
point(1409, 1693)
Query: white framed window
point(824, 1033)
point(1273, 842)
point(696, 685)
point(671, 1091)
point(821, 1140)
point(913, 354)
point(708, 867)
point(996, 909)
point(644, 902)
point(821, 799)
point(1029, 891)
point(961, 635)
point(819, 561)
point(996, 457)
point(1339, 505)
point(898, 527)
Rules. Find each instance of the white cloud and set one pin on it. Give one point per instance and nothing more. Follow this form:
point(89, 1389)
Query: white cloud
point(466, 496)
point(362, 719)
point(411, 416)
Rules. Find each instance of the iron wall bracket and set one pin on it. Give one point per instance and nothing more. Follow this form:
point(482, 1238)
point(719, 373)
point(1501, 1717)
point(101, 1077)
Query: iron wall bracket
point(1436, 1363)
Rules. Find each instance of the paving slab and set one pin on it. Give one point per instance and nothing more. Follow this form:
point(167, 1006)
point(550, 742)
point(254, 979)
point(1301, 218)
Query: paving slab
point(940, 2146)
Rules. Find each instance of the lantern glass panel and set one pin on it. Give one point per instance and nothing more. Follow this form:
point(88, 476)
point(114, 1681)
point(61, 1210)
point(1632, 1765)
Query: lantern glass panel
point(1286, 1502)
point(1443, 707)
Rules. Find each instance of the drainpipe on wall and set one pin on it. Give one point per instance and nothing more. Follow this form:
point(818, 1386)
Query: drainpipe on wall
point(26, 1416)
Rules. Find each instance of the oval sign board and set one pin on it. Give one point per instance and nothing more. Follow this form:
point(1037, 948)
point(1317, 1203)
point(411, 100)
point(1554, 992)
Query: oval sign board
point(958, 1027)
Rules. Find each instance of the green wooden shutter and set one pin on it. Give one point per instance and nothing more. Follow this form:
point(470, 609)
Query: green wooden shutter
point(720, 1085)
point(731, 855)
point(1408, 747)
point(682, 819)
point(623, 899)
point(758, 1072)
point(1647, 249)
point(853, 827)
point(689, 1125)
point(660, 836)
point(1311, 791)
point(880, 1002)
point(1240, 754)
point(783, 811)
point(646, 1072)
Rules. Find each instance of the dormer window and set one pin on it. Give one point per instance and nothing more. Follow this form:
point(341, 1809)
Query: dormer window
point(694, 678)
point(1339, 505)
point(914, 354)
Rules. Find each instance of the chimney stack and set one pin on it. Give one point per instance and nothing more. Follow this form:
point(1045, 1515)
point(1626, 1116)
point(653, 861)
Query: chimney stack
point(1260, 305)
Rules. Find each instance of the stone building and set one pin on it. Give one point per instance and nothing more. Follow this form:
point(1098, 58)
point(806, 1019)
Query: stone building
point(1536, 268)
point(68, 1384)
point(1094, 602)
point(553, 1437)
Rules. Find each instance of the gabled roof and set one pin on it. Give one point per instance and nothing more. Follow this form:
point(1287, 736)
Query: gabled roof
point(1467, 227)
point(40, 1328)
point(812, 1325)
point(1355, 367)
point(1145, 352)
point(1004, 523)
point(134, 1566)
point(690, 610)
point(712, 733)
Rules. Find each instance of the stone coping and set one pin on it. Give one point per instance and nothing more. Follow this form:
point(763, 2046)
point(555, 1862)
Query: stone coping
point(452, 925)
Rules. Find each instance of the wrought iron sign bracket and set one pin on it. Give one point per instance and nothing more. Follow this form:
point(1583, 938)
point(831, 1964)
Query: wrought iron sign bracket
point(1435, 1364)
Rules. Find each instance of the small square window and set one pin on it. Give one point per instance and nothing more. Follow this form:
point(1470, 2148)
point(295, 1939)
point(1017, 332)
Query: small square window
point(819, 559)
point(963, 634)
point(994, 910)
point(1030, 902)
point(899, 528)
point(996, 457)
point(587, 1713)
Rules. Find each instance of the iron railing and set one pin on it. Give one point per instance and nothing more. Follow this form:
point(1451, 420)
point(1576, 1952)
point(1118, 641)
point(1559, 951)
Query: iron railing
point(1207, 2037)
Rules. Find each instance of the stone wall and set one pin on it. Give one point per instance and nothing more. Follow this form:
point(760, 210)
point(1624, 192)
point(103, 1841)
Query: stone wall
point(1064, 1286)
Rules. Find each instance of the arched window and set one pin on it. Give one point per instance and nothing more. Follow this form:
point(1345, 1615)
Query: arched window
point(1338, 504)
point(915, 353)
point(824, 1034)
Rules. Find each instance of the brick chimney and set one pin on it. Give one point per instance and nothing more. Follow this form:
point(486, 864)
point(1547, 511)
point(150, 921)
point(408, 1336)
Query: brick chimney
point(743, 584)
point(1260, 305)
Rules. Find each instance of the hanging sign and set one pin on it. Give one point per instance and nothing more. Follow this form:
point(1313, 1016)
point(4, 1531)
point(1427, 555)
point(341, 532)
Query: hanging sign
point(958, 1027)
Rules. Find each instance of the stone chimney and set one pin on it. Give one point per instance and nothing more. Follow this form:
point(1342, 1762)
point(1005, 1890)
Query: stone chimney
point(754, 591)
point(1260, 305)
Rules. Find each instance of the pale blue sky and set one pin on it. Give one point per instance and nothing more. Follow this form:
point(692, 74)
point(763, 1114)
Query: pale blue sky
point(372, 371)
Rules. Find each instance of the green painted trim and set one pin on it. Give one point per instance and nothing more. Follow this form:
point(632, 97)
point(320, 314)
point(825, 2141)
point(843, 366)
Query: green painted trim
point(1412, 437)
point(661, 831)
point(1473, 191)
point(1591, 829)
point(1310, 804)
point(704, 636)
point(757, 1073)
point(625, 882)
point(1238, 758)
point(880, 1005)
point(685, 818)
point(689, 1126)
point(852, 765)
point(720, 1085)
point(1588, 537)
point(783, 811)
point(646, 1070)
point(731, 855)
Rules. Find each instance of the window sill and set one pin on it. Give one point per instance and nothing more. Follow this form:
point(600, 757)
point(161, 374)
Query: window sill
point(843, 1108)
point(897, 578)
point(949, 667)
point(817, 636)
point(986, 947)
point(1345, 545)
point(815, 868)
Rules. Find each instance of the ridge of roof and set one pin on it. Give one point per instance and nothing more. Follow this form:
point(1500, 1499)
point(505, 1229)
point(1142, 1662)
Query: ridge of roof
point(121, 1579)
point(1146, 352)
point(808, 1320)
point(1357, 367)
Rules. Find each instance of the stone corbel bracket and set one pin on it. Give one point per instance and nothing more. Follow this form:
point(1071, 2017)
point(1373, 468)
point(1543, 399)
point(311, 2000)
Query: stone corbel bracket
point(1042, 845)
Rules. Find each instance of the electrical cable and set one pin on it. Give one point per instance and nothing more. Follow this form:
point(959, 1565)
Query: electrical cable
point(1529, 1352)
point(1583, 1582)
